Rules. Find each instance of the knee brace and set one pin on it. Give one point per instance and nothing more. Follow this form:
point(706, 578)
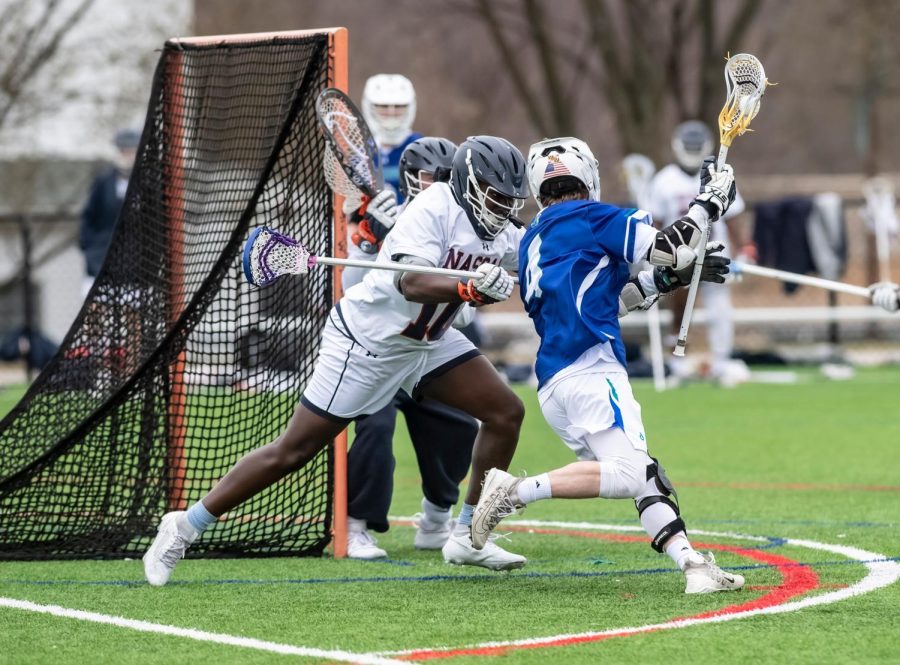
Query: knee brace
point(657, 480)
point(620, 479)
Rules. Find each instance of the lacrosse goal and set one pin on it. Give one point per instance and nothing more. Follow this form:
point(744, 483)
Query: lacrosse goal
point(175, 367)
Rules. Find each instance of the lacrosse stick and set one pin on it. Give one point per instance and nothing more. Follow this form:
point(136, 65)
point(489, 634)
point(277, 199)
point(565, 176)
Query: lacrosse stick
point(269, 255)
point(351, 162)
point(745, 82)
point(638, 171)
point(782, 275)
point(881, 213)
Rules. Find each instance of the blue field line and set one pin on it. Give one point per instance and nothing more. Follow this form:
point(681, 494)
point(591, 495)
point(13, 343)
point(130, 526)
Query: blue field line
point(434, 578)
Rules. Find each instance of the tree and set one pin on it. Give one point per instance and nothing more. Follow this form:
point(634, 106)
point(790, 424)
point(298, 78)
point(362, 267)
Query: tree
point(31, 35)
point(649, 58)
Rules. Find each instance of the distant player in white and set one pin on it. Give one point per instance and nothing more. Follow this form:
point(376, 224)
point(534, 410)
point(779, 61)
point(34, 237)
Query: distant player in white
point(441, 436)
point(886, 295)
point(391, 332)
point(575, 284)
point(672, 190)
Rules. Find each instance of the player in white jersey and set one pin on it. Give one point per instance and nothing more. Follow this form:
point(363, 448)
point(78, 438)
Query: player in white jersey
point(441, 436)
point(391, 332)
point(672, 190)
point(575, 284)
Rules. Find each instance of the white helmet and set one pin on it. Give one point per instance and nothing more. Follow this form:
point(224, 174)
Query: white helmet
point(389, 107)
point(692, 142)
point(563, 157)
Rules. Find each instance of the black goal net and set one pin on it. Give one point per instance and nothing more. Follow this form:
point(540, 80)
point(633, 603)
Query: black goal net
point(175, 367)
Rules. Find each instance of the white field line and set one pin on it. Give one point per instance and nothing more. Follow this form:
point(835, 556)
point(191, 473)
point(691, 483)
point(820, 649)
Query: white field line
point(200, 635)
point(881, 573)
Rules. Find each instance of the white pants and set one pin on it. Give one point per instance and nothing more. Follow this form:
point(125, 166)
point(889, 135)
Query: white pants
point(350, 381)
point(720, 324)
point(596, 415)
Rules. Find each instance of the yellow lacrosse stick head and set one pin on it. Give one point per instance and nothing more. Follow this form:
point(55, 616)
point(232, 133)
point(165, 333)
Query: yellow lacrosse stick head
point(746, 82)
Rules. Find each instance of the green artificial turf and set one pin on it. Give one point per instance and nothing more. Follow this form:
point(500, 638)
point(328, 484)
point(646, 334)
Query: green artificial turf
point(815, 461)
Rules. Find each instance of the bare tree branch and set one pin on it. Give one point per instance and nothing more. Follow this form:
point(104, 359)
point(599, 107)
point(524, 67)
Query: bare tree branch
point(513, 65)
point(561, 108)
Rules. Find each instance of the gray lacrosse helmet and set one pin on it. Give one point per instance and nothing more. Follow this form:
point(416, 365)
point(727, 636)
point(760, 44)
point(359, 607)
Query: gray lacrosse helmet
point(427, 154)
point(488, 182)
point(692, 142)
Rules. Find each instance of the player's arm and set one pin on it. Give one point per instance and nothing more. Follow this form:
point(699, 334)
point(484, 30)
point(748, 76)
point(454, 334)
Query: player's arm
point(643, 291)
point(674, 247)
point(492, 285)
point(886, 295)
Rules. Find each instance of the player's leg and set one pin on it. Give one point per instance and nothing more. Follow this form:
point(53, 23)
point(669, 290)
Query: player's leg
point(442, 438)
point(467, 381)
point(720, 332)
point(347, 381)
point(370, 481)
point(606, 433)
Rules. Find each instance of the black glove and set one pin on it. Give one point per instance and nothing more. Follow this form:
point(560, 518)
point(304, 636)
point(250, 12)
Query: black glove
point(717, 188)
point(715, 267)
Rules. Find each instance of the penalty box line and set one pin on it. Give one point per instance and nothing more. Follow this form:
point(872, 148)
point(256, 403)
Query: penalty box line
point(200, 635)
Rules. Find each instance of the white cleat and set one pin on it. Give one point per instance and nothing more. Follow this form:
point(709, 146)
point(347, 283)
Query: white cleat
point(173, 538)
point(459, 550)
point(362, 545)
point(707, 577)
point(431, 536)
point(495, 504)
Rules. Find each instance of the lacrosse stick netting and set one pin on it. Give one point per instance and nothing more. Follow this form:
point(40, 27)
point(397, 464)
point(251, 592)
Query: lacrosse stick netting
point(745, 84)
point(350, 159)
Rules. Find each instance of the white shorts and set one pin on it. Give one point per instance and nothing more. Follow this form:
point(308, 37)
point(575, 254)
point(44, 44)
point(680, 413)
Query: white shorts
point(350, 381)
point(583, 404)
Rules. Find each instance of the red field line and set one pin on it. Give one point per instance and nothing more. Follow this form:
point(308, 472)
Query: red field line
point(797, 579)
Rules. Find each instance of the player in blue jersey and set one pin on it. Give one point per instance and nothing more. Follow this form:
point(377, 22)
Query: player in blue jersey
point(575, 285)
point(389, 107)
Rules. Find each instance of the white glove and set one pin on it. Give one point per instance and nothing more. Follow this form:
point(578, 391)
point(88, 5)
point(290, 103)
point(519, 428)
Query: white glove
point(492, 285)
point(886, 295)
point(717, 190)
point(383, 210)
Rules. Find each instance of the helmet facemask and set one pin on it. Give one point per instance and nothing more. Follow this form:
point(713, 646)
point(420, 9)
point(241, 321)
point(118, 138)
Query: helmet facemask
point(417, 181)
point(490, 207)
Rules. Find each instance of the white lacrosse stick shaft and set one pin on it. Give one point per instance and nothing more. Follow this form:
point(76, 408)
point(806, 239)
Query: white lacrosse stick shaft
point(805, 280)
point(395, 267)
point(681, 343)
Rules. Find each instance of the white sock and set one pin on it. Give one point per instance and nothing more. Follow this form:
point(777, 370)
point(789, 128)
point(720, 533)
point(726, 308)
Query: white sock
point(680, 551)
point(533, 488)
point(355, 525)
point(434, 515)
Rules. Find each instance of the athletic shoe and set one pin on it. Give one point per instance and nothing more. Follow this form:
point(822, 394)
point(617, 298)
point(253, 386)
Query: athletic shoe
point(707, 577)
point(459, 550)
point(431, 536)
point(495, 504)
point(173, 538)
point(362, 545)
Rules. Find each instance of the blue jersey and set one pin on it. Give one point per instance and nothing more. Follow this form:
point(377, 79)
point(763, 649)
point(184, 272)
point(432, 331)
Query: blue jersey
point(390, 164)
point(573, 265)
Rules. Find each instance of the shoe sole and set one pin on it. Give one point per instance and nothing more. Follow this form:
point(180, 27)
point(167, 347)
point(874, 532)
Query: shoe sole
point(507, 566)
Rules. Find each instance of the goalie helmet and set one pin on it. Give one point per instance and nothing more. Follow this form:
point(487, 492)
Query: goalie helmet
point(389, 107)
point(488, 181)
point(692, 142)
point(419, 162)
point(556, 166)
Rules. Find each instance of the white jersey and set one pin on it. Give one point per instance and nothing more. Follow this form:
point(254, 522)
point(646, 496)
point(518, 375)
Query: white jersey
point(671, 192)
point(435, 229)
